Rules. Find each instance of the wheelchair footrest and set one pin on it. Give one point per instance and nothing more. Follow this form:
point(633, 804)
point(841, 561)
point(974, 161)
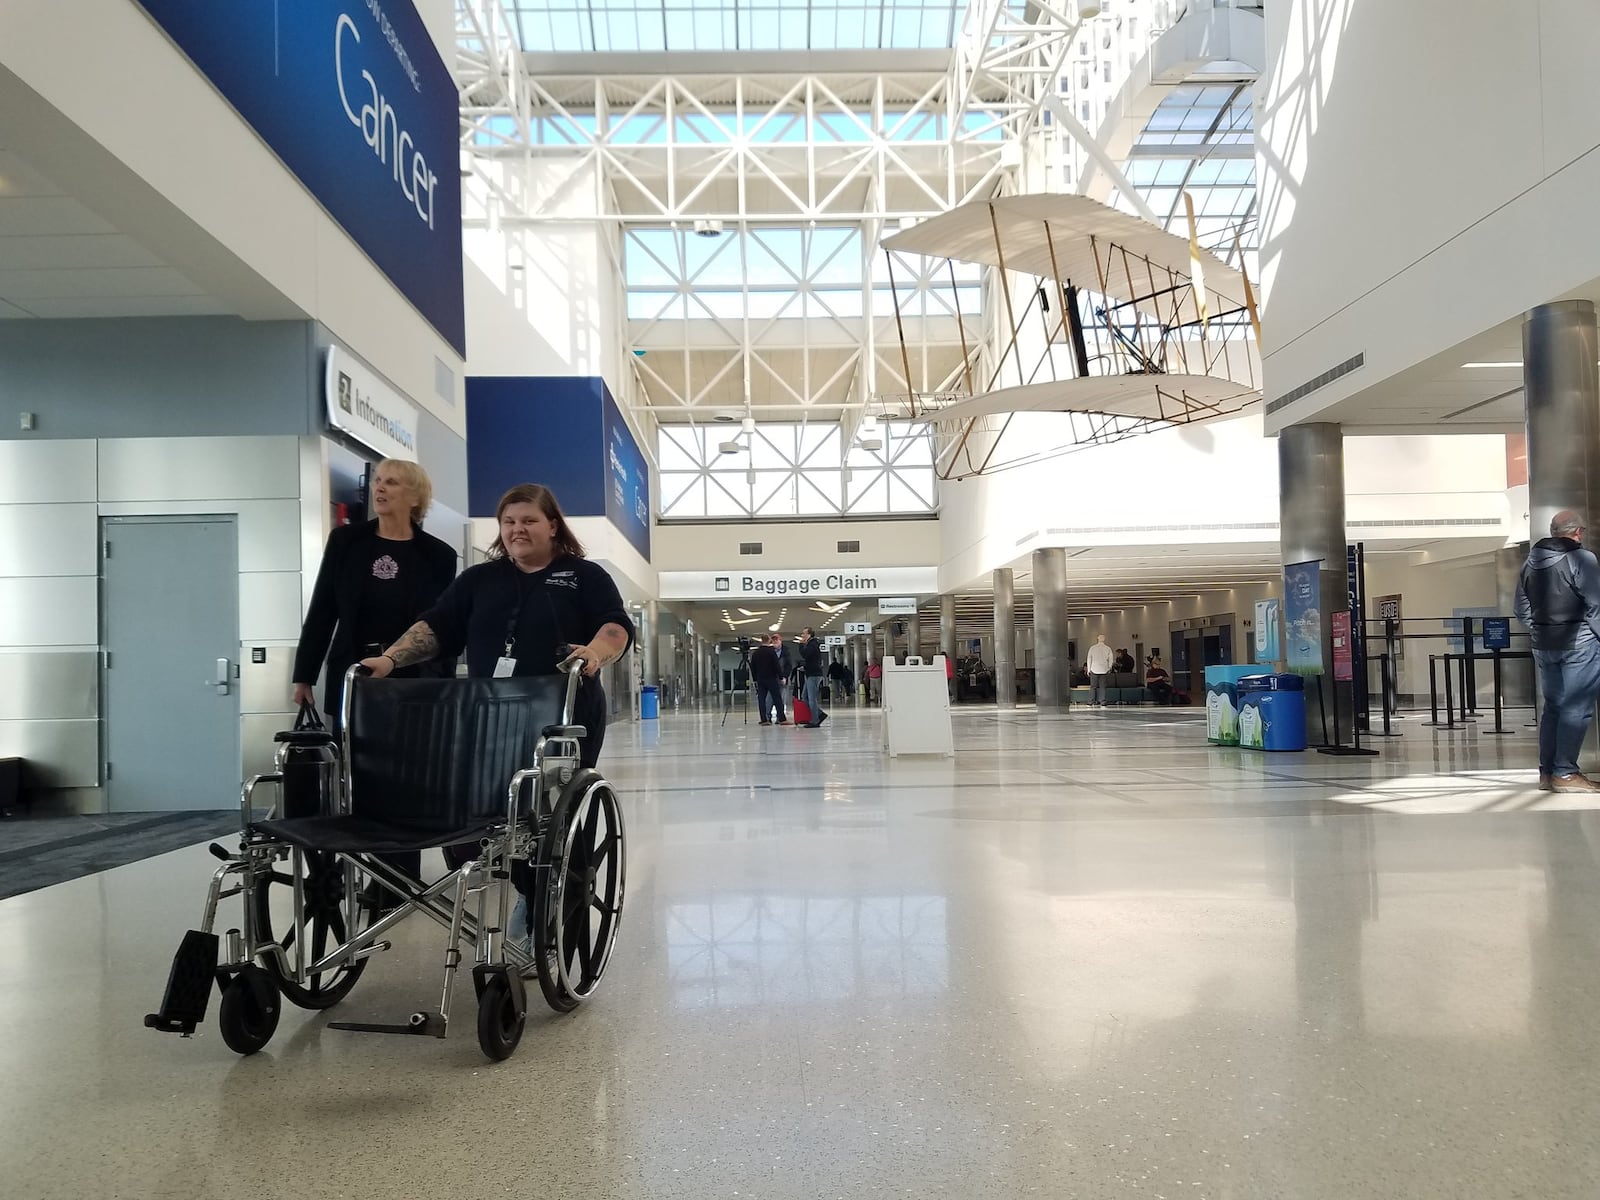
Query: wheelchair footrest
point(422, 1023)
point(194, 970)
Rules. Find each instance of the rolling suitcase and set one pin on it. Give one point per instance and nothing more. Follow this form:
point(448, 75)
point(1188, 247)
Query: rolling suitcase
point(802, 712)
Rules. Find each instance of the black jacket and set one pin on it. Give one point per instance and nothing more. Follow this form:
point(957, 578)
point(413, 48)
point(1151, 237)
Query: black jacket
point(764, 666)
point(1558, 595)
point(329, 634)
point(811, 657)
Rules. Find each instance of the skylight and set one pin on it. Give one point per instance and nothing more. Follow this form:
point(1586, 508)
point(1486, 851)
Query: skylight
point(610, 26)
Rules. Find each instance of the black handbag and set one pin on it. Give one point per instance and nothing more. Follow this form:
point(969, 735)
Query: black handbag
point(310, 766)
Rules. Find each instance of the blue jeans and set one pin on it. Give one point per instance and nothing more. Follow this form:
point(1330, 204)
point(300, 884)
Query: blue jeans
point(1570, 680)
point(1097, 688)
point(814, 698)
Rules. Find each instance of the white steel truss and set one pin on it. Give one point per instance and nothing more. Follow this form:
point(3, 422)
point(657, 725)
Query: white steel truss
point(740, 216)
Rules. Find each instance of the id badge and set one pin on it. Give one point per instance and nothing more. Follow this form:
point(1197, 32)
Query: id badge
point(504, 667)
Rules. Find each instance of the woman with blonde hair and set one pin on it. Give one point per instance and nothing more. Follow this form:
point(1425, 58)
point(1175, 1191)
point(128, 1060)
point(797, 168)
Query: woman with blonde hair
point(376, 579)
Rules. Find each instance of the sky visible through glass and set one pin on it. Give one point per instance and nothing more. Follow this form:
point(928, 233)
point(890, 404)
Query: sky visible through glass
point(608, 26)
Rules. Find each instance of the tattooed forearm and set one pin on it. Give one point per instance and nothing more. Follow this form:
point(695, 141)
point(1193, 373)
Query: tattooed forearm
point(417, 644)
point(612, 640)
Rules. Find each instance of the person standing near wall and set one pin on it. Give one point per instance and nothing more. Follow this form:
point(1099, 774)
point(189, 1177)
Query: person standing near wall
point(375, 580)
point(1100, 663)
point(1558, 599)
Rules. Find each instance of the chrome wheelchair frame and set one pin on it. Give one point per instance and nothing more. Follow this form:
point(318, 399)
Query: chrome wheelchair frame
point(567, 953)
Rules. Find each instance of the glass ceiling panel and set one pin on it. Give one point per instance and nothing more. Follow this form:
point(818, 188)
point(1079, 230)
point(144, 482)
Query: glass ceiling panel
point(1192, 143)
point(609, 26)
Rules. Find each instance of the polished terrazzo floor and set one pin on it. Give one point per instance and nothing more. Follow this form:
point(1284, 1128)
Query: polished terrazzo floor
point(1086, 957)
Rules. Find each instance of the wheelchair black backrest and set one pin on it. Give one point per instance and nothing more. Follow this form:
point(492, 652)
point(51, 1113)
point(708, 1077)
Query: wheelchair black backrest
point(438, 754)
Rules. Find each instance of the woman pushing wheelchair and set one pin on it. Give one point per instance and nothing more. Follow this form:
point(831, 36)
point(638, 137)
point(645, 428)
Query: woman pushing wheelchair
point(536, 603)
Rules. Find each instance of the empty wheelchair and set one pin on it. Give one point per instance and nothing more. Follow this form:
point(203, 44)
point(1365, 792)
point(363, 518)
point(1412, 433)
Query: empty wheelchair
point(421, 764)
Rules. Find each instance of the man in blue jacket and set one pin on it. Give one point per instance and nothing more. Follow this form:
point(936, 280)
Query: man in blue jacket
point(1558, 599)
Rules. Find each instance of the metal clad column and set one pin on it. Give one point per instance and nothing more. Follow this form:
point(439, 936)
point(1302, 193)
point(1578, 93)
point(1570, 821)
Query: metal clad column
point(1562, 394)
point(1052, 672)
point(649, 639)
point(1005, 639)
point(947, 627)
point(914, 633)
point(1311, 526)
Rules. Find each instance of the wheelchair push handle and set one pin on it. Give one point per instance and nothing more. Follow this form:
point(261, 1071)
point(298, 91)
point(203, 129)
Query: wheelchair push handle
point(572, 666)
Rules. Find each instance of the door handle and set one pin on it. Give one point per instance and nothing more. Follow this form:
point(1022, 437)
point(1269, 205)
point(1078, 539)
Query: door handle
point(221, 682)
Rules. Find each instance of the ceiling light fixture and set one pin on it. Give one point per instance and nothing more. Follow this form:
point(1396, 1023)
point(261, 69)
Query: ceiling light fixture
point(1489, 366)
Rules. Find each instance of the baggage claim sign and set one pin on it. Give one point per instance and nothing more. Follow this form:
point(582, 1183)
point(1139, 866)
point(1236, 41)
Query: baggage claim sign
point(824, 582)
point(353, 97)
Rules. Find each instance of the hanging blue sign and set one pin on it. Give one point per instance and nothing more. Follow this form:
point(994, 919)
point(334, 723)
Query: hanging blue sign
point(1302, 617)
point(353, 97)
point(627, 479)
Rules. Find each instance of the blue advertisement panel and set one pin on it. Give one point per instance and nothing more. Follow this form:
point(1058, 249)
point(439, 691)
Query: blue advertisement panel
point(1302, 617)
point(1497, 633)
point(627, 480)
point(1268, 633)
point(353, 97)
point(536, 429)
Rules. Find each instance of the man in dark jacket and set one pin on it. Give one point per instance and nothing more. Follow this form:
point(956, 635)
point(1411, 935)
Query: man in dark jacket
point(811, 663)
point(767, 670)
point(1558, 599)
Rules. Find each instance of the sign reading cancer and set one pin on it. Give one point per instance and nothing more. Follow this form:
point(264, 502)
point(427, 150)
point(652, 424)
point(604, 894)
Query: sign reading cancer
point(353, 97)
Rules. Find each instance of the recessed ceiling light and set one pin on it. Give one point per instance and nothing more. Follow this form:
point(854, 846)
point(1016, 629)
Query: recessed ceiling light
point(1488, 366)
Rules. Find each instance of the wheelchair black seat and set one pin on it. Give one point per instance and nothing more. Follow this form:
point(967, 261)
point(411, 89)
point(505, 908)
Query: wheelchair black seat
point(429, 761)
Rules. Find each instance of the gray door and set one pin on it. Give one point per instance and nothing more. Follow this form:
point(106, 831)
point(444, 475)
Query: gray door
point(170, 608)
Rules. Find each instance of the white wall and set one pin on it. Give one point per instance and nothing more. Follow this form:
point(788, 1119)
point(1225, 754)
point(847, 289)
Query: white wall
point(501, 339)
point(796, 544)
point(1213, 483)
point(52, 496)
point(96, 115)
point(1425, 172)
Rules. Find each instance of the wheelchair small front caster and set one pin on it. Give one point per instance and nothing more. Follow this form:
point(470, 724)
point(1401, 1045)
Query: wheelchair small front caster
point(502, 1016)
point(249, 1013)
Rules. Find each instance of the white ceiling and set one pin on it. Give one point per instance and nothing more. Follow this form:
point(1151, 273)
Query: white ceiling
point(59, 259)
point(1443, 394)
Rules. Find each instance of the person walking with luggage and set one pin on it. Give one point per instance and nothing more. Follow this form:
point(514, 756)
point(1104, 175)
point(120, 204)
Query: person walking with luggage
point(767, 671)
point(1558, 600)
point(1101, 657)
point(811, 664)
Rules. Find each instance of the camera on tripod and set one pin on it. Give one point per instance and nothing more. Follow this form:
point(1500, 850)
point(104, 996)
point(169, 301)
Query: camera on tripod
point(744, 647)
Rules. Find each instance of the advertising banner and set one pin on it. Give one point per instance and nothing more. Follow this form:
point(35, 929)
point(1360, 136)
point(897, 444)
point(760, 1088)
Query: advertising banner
point(1268, 632)
point(1343, 649)
point(353, 98)
point(627, 479)
point(1302, 617)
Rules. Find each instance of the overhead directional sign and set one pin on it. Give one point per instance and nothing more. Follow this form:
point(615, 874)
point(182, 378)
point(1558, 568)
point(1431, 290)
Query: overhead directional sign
point(852, 628)
point(896, 605)
point(835, 639)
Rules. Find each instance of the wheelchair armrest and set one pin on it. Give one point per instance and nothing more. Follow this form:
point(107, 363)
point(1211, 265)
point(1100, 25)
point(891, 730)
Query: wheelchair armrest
point(564, 731)
point(304, 737)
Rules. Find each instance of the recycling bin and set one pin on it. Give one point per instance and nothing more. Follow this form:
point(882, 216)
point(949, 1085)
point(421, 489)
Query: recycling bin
point(649, 703)
point(1272, 712)
point(1222, 703)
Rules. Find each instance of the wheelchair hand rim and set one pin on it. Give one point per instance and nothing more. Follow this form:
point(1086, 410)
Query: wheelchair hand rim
point(612, 918)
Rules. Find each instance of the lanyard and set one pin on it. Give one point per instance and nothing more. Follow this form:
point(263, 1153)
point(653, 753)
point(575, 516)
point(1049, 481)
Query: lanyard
point(523, 587)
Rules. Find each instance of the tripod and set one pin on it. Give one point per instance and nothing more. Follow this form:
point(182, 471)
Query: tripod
point(744, 697)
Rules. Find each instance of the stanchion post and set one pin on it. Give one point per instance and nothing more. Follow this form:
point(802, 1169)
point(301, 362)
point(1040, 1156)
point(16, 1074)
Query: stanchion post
point(1499, 728)
point(1433, 686)
point(1449, 697)
point(1469, 671)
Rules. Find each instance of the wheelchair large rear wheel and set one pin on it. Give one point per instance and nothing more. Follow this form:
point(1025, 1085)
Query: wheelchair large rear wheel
point(577, 902)
point(327, 925)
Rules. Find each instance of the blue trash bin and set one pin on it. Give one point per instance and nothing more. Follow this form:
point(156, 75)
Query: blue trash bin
point(1272, 712)
point(649, 703)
